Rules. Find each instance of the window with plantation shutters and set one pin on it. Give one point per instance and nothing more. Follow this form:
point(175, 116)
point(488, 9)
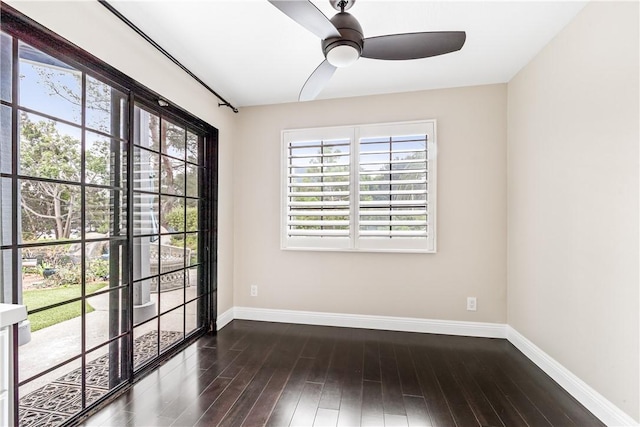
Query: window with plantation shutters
point(360, 188)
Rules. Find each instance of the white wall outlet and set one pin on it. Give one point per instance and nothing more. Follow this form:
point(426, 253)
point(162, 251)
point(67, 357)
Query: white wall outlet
point(472, 304)
point(254, 290)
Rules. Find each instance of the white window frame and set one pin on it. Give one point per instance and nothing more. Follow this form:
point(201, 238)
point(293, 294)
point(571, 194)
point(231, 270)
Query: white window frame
point(354, 242)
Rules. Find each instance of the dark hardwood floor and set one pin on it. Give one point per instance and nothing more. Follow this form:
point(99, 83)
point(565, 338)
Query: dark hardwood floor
point(256, 373)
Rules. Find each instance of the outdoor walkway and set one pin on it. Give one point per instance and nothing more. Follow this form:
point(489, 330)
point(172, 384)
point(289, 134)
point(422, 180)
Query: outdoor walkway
point(61, 341)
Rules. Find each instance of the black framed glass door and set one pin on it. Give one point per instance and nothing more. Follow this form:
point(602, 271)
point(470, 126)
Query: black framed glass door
point(107, 213)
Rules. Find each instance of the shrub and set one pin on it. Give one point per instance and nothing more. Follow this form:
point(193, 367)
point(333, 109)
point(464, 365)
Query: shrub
point(97, 269)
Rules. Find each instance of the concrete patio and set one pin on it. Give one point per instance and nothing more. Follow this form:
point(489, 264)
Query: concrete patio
point(56, 343)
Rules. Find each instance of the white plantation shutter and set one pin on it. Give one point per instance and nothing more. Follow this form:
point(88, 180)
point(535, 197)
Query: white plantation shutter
point(395, 181)
point(318, 190)
point(369, 187)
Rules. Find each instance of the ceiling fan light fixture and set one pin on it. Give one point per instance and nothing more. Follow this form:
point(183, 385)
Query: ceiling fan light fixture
point(343, 41)
point(343, 55)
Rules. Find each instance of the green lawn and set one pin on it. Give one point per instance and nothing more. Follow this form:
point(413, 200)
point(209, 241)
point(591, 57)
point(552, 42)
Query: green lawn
point(36, 298)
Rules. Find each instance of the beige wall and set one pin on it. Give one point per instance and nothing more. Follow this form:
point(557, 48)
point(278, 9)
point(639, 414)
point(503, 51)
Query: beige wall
point(471, 214)
point(86, 24)
point(573, 201)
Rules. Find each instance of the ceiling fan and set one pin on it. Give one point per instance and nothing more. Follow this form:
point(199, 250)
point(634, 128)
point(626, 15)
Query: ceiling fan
point(343, 41)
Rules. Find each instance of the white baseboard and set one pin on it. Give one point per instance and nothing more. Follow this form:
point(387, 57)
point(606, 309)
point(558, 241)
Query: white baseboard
point(602, 408)
point(406, 324)
point(606, 411)
point(224, 318)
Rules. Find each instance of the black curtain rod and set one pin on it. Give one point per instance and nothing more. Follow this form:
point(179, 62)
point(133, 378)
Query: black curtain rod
point(153, 43)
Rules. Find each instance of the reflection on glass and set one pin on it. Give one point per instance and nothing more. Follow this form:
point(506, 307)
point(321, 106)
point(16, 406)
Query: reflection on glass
point(6, 280)
point(145, 214)
point(145, 170)
point(98, 212)
point(6, 66)
point(173, 140)
point(192, 148)
point(98, 159)
point(147, 129)
point(195, 281)
point(5, 139)
point(6, 214)
point(49, 211)
point(49, 85)
point(192, 180)
point(193, 320)
point(105, 212)
point(49, 149)
point(145, 254)
point(173, 181)
point(106, 108)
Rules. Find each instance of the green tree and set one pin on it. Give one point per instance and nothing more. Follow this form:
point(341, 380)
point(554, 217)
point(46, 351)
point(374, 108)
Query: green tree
point(46, 153)
point(175, 219)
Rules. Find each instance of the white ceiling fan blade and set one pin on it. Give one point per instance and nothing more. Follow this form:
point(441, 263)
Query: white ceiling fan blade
point(317, 81)
point(308, 15)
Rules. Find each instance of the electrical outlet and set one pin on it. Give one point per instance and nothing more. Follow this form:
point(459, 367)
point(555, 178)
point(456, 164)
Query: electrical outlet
point(254, 290)
point(472, 304)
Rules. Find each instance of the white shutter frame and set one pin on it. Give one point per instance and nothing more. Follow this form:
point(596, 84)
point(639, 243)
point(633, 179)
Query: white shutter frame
point(415, 239)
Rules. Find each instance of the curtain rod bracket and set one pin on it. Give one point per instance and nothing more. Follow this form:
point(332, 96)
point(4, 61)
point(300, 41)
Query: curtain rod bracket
point(226, 104)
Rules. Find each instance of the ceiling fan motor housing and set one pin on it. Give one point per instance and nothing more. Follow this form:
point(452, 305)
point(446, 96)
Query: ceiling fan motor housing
point(350, 32)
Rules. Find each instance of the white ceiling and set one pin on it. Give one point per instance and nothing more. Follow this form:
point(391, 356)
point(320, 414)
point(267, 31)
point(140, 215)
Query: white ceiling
point(252, 54)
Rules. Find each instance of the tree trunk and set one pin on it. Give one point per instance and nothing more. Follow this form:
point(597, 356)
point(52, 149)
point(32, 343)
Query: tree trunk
point(57, 212)
point(69, 220)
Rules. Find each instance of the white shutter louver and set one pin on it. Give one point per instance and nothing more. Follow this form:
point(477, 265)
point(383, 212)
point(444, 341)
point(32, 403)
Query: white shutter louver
point(393, 187)
point(318, 198)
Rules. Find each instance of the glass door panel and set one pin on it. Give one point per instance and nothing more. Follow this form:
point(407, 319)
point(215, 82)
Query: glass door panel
point(103, 228)
point(167, 202)
point(66, 199)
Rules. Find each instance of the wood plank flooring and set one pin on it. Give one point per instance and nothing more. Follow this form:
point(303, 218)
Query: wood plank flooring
point(258, 373)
